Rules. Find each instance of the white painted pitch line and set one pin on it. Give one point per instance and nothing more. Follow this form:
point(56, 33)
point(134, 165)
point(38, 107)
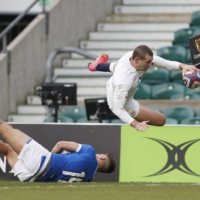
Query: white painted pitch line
point(102, 185)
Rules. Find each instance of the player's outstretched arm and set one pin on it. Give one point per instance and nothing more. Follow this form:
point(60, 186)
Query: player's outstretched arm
point(173, 65)
point(64, 145)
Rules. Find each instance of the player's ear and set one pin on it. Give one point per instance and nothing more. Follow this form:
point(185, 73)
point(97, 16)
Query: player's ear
point(136, 59)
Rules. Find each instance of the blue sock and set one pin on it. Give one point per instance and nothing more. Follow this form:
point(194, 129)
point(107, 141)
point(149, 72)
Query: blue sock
point(103, 67)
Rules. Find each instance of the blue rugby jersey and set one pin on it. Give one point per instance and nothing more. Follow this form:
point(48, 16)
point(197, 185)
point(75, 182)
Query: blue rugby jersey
point(72, 167)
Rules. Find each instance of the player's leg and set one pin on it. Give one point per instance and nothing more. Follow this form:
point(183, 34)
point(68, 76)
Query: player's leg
point(100, 64)
point(14, 137)
point(10, 154)
point(155, 118)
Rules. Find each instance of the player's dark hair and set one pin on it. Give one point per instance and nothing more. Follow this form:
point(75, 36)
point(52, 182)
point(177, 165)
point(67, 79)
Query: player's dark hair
point(141, 51)
point(112, 164)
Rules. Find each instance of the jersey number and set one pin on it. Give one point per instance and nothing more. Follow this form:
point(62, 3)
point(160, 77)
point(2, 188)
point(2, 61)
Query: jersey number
point(76, 177)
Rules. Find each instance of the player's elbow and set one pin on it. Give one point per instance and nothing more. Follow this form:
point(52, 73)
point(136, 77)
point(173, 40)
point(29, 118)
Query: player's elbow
point(116, 109)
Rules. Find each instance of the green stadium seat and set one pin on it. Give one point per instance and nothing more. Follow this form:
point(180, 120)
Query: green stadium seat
point(83, 120)
point(174, 53)
point(166, 90)
point(179, 112)
point(154, 108)
point(198, 113)
point(195, 21)
point(176, 76)
point(64, 119)
point(192, 91)
point(188, 58)
point(143, 91)
point(49, 119)
point(74, 112)
point(171, 121)
point(155, 75)
point(60, 119)
point(186, 96)
point(182, 35)
point(192, 120)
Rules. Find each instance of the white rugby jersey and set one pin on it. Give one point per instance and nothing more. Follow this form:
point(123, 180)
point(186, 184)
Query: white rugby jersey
point(122, 86)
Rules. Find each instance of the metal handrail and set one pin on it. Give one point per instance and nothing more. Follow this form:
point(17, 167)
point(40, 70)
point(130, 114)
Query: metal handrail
point(3, 34)
point(52, 56)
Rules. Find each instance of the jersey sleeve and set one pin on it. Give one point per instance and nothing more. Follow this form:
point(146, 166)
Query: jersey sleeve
point(122, 80)
point(79, 147)
point(120, 95)
point(167, 64)
point(87, 149)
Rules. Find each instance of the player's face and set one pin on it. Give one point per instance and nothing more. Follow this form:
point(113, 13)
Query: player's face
point(102, 158)
point(146, 63)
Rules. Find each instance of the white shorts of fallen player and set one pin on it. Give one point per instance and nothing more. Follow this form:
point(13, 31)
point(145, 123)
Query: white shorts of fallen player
point(32, 161)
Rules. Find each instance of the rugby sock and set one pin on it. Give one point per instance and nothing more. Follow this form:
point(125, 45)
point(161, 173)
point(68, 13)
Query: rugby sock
point(103, 67)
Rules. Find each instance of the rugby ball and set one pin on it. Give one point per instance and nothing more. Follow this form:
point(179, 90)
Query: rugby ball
point(191, 79)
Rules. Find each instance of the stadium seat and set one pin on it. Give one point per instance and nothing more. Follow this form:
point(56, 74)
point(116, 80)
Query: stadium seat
point(179, 112)
point(186, 96)
point(60, 119)
point(49, 119)
point(83, 120)
point(154, 108)
point(198, 113)
point(192, 91)
point(188, 58)
point(176, 76)
point(171, 121)
point(174, 53)
point(166, 90)
point(143, 91)
point(74, 112)
point(182, 35)
point(155, 75)
point(192, 120)
point(195, 21)
point(64, 119)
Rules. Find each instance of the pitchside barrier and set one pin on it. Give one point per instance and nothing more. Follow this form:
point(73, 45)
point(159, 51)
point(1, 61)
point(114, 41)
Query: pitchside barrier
point(160, 154)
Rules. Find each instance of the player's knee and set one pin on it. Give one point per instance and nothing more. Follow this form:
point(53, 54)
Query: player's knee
point(162, 120)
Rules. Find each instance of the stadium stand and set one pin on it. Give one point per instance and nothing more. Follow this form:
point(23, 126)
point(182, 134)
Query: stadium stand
point(74, 112)
point(179, 112)
point(192, 120)
point(155, 75)
point(143, 91)
point(176, 76)
point(171, 121)
point(175, 52)
point(130, 25)
point(198, 113)
point(154, 108)
point(185, 96)
point(60, 119)
point(166, 90)
point(181, 36)
point(195, 19)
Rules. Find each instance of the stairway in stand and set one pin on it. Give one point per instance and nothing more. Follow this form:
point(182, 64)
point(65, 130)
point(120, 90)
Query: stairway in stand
point(149, 22)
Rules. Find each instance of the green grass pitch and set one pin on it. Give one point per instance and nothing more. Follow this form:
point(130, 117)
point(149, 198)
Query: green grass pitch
point(98, 191)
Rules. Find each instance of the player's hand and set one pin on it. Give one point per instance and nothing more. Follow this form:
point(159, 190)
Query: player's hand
point(140, 126)
point(186, 68)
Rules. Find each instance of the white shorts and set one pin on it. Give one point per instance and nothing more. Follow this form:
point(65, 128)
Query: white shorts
point(32, 161)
